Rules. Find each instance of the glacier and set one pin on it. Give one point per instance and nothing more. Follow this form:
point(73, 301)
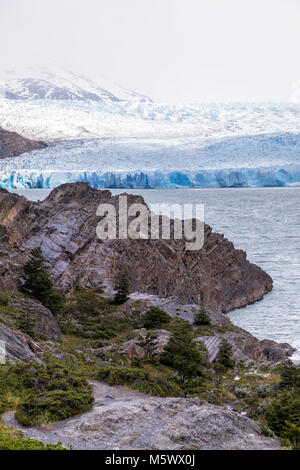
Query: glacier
point(151, 145)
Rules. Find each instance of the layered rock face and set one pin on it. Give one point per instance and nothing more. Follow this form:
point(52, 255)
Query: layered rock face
point(20, 346)
point(64, 226)
point(13, 144)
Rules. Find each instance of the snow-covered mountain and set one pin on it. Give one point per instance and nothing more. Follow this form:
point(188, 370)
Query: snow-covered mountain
point(60, 84)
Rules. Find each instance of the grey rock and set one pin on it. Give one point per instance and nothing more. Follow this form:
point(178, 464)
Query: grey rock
point(136, 421)
point(44, 321)
point(18, 345)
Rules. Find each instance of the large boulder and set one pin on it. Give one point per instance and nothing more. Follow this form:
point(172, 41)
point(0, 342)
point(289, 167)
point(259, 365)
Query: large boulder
point(25, 325)
point(17, 346)
point(43, 320)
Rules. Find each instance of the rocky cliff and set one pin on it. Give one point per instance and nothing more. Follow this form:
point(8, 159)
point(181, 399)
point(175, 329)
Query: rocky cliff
point(13, 144)
point(64, 226)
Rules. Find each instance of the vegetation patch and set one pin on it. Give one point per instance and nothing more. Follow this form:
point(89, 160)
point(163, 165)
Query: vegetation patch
point(43, 393)
point(155, 318)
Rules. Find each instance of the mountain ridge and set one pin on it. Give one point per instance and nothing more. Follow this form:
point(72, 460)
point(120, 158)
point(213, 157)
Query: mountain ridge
point(62, 84)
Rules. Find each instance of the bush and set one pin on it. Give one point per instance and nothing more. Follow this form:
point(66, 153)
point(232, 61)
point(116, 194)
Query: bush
point(150, 381)
point(10, 439)
point(283, 417)
point(90, 315)
point(283, 414)
point(28, 444)
point(290, 375)
point(4, 298)
point(121, 375)
point(155, 318)
point(201, 318)
point(43, 393)
point(53, 406)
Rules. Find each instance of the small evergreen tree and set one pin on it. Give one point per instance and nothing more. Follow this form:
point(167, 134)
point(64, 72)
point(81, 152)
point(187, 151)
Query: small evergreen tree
point(224, 360)
point(155, 317)
point(182, 354)
point(283, 417)
point(122, 288)
point(283, 414)
point(290, 375)
point(38, 283)
point(201, 318)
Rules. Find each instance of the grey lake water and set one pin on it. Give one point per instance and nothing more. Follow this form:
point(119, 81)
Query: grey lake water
point(265, 222)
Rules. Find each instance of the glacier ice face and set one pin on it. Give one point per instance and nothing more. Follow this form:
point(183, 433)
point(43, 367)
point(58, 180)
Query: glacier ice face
point(225, 178)
point(141, 145)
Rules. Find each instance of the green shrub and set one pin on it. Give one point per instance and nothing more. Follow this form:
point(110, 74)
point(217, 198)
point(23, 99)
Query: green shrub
point(115, 375)
point(201, 318)
point(283, 414)
point(150, 380)
point(28, 444)
point(43, 392)
point(283, 417)
point(11, 439)
point(90, 315)
point(4, 299)
point(155, 318)
point(53, 406)
point(290, 375)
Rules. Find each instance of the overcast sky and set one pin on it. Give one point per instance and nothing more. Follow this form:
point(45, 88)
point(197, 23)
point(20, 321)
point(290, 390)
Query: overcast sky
point(171, 50)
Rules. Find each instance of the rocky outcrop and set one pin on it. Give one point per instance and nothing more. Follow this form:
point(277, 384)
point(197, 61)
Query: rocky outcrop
point(19, 313)
point(13, 144)
point(64, 226)
point(127, 420)
point(18, 346)
point(245, 347)
point(42, 318)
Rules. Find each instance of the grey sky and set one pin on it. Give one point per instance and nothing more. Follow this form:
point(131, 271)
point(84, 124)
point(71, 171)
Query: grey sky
point(171, 50)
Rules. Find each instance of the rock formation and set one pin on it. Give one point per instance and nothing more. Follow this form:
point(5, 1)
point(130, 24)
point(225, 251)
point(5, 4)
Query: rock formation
point(19, 345)
point(13, 144)
point(245, 347)
point(64, 226)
